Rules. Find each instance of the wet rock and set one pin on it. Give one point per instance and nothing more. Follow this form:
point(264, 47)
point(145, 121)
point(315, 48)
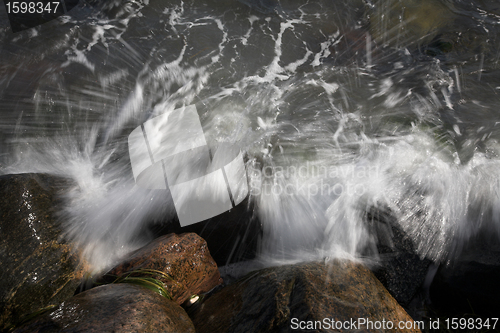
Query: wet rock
point(469, 285)
point(400, 269)
point(184, 257)
point(38, 267)
point(267, 300)
point(231, 236)
point(113, 308)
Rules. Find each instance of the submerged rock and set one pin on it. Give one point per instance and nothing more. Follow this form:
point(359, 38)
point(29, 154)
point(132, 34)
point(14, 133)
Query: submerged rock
point(410, 22)
point(278, 299)
point(38, 267)
point(113, 308)
point(184, 257)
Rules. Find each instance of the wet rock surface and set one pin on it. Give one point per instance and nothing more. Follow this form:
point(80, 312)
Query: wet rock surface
point(183, 257)
point(268, 299)
point(469, 285)
point(38, 267)
point(400, 269)
point(113, 308)
point(231, 236)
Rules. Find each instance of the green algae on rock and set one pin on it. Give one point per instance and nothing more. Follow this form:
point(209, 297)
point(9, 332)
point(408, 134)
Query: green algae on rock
point(185, 258)
point(113, 308)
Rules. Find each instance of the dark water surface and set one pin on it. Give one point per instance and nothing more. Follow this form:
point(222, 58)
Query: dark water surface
point(347, 105)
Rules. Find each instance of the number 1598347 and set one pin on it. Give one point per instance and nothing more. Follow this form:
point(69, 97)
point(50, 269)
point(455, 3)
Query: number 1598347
point(471, 323)
point(31, 7)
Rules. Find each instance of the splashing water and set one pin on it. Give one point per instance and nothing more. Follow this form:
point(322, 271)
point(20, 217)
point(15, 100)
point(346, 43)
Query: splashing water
point(338, 109)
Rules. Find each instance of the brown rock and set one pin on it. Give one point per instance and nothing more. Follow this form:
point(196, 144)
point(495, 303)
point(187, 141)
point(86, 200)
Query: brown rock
point(184, 257)
point(115, 308)
point(268, 300)
point(38, 267)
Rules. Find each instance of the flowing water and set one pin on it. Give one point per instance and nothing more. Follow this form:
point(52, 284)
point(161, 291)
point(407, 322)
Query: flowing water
point(341, 107)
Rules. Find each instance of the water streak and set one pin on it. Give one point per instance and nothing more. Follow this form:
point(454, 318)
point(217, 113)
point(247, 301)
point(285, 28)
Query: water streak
point(339, 109)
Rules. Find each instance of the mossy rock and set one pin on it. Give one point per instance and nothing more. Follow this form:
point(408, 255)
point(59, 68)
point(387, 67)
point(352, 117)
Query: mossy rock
point(184, 258)
point(120, 308)
point(38, 268)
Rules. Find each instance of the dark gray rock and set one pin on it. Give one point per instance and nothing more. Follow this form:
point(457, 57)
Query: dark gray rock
point(469, 284)
point(117, 308)
point(400, 269)
point(38, 268)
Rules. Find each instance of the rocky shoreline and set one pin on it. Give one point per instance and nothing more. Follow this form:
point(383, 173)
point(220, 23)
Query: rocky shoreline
point(42, 276)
